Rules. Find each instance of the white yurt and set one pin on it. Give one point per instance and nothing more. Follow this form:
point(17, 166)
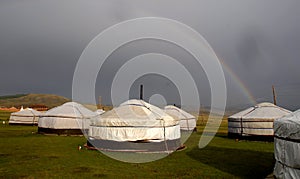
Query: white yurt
point(135, 126)
point(187, 121)
point(99, 111)
point(26, 116)
point(287, 146)
point(255, 121)
point(69, 118)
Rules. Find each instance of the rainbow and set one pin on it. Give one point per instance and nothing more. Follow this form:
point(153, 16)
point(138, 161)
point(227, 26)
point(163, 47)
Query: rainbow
point(238, 82)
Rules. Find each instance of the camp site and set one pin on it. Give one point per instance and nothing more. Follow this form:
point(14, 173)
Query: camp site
point(74, 141)
point(150, 89)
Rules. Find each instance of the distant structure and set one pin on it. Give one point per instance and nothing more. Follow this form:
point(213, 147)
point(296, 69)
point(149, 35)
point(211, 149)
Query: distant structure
point(99, 106)
point(186, 120)
point(11, 109)
point(39, 107)
point(255, 121)
point(99, 111)
point(274, 95)
point(141, 92)
point(26, 116)
point(70, 118)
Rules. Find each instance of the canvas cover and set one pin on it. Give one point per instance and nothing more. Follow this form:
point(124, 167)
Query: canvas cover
point(135, 120)
point(287, 146)
point(283, 171)
point(257, 120)
point(70, 115)
point(25, 116)
point(186, 120)
point(99, 111)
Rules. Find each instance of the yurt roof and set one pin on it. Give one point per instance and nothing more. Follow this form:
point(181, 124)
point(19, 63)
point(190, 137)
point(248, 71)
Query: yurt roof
point(26, 112)
point(288, 126)
point(143, 108)
point(263, 111)
point(70, 109)
point(178, 113)
point(135, 113)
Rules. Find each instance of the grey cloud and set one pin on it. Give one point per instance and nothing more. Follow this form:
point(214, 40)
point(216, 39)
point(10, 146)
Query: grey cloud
point(41, 41)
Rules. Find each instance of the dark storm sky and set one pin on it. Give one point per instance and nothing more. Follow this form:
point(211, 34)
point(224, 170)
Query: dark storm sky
point(41, 41)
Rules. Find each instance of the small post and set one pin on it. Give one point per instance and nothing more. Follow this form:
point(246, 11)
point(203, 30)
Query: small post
point(99, 106)
point(141, 92)
point(274, 95)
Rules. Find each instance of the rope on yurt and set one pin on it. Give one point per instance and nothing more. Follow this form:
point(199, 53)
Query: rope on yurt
point(164, 126)
point(33, 116)
point(282, 109)
point(165, 141)
point(186, 118)
point(158, 118)
point(82, 121)
point(241, 125)
point(241, 119)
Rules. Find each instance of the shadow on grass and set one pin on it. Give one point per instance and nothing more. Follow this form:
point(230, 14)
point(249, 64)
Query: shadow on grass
point(246, 138)
point(241, 163)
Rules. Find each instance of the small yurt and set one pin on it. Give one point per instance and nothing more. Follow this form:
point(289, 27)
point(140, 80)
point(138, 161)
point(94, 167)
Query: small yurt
point(187, 121)
point(70, 118)
point(26, 116)
point(135, 126)
point(287, 146)
point(255, 121)
point(99, 111)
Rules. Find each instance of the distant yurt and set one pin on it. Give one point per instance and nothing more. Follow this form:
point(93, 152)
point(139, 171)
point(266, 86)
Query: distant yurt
point(135, 126)
point(287, 146)
point(99, 111)
point(187, 121)
point(26, 116)
point(255, 121)
point(69, 118)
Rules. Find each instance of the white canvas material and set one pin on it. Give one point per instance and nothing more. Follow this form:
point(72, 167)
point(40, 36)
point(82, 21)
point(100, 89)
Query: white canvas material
point(186, 120)
point(257, 120)
point(282, 171)
point(25, 116)
point(287, 146)
point(99, 111)
point(288, 126)
point(70, 115)
point(135, 120)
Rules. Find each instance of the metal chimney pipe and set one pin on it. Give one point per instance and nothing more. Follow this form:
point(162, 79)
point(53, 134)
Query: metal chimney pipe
point(141, 92)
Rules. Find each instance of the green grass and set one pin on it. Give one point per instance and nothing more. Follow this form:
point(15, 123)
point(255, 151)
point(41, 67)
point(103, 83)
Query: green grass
point(4, 115)
point(26, 154)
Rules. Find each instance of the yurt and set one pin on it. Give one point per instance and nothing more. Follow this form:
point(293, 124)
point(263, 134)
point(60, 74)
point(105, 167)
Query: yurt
point(99, 111)
point(187, 121)
point(26, 116)
point(135, 126)
point(255, 121)
point(69, 118)
point(287, 146)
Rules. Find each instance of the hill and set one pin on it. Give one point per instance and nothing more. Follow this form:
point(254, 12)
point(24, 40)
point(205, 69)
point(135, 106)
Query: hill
point(27, 100)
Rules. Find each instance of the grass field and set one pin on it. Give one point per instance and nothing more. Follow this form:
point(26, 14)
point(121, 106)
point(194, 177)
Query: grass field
point(4, 115)
point(26, 154)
